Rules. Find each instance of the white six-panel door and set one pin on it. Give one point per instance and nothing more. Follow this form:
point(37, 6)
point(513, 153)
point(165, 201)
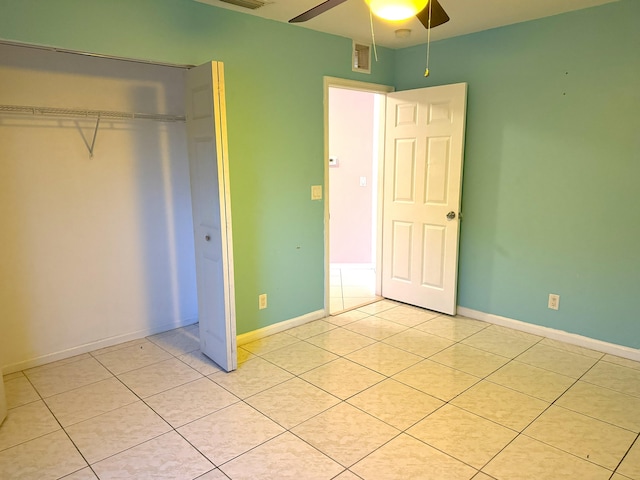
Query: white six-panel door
point(209, 173)
point(421, 202)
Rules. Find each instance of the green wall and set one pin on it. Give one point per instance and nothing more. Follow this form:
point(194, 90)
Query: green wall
point(550, 192)
point(551, 200)
point(274, 83)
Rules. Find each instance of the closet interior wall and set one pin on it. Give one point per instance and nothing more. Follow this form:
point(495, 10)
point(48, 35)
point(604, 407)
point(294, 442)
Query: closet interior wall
point(94, 250)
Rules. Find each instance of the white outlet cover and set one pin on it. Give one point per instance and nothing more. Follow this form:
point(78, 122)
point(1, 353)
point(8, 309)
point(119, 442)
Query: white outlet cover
point(316, 192)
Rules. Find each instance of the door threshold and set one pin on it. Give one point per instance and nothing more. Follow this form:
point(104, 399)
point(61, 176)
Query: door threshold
point(355, 307)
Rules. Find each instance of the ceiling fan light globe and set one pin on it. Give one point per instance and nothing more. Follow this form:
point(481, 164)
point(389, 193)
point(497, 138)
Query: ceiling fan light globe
point(396, 9)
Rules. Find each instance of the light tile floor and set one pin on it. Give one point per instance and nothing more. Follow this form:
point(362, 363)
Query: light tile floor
point(387, 391)
point(351, 286)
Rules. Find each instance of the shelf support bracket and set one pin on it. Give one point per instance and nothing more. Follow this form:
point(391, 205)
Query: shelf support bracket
point(95, 134)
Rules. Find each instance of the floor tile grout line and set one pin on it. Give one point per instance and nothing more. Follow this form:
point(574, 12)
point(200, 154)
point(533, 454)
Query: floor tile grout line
point(636, 442)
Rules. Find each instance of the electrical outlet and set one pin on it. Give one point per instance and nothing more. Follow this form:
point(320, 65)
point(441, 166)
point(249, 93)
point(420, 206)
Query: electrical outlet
point(554, 301)
point(262, 301)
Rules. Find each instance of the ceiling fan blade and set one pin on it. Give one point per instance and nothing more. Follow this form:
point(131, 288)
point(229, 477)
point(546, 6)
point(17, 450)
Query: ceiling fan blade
point(438, 15)
point(317, 10)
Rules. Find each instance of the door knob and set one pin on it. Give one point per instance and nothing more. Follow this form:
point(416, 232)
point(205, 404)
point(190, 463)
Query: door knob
point(207, 237)
point(451, 215)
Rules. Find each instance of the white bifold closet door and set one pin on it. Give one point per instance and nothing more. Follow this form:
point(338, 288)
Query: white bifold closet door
point(211, 204)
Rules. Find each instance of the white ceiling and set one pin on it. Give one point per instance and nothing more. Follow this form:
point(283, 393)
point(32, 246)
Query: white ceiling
point(351, 19)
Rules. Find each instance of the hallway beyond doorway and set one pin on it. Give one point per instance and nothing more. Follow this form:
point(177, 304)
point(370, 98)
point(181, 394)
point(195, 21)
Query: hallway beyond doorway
point(352, 286)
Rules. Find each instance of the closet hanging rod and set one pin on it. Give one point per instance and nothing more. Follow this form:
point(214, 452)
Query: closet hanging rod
point(70, 112)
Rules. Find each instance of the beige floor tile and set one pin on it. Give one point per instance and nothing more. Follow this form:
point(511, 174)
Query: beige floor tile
point(559, 361)
point(51, 381)
point(534, 381)
point(270, 343)
point(482, 476)
point(345, 318)
point(120, 346)
point(178, 341)
point(584, 437)
point(25, 423)
point(90, 401)
point(244, 355)
point(378, 307)
point(299, 357)
point(19, 391)
point(435, 379)
point(84, 474)
point(616, 377)
point(341, 341)
point(133, 357)
point(572, 348)
point(384, 358)
point(502, 341)
point(625, 362)
point(311, 329)
point(395, 403)
point(292, 402)
point(470, 360)
point(284, 457)
point(526, 459)
point(407, 316)
point(189, 402)
point(603, 404)
point(342, 378)
point(418, 342)
point(201, 363)
point(230, 432)
point(345, 433)
point(159, 377)
point(50, 456)
point(376, 328)
point(357, 302)
point(630, 466)
point(469, 438)
point(213, 475)
point(453, 328)
point(617, 476)
point(251, 377)
point(501, 405)
point(113, 432)
point(167, 456)
point(405, 458)
point(56, 364)
point(347, 475)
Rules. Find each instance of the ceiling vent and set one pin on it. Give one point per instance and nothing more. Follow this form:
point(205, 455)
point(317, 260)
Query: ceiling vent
point(252, 4)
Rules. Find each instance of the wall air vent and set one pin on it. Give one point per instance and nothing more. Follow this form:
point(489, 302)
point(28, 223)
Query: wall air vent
point(361, 58)
point(252, 4)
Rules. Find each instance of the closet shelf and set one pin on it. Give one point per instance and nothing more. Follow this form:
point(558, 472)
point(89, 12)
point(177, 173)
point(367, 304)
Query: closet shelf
point(70, 112)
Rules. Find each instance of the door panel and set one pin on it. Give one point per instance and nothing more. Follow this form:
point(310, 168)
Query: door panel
point(422, 184)
point(209, 173)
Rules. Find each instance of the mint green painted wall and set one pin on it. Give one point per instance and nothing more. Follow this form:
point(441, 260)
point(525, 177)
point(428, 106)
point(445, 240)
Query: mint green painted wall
point(274, 79)
point(551, 199)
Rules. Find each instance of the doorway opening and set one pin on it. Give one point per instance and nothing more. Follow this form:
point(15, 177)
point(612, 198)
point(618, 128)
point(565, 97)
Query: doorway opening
point(354, 114)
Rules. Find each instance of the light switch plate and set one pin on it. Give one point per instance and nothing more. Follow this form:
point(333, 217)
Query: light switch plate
point(316, 192)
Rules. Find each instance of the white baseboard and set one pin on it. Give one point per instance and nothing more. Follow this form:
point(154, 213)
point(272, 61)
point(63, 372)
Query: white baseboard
point(91, 346)
point(279, 327)
point(554, 334)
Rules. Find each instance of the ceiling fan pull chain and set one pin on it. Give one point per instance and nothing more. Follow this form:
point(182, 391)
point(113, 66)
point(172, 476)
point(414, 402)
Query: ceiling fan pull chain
point(373, 36)
point(426, 72)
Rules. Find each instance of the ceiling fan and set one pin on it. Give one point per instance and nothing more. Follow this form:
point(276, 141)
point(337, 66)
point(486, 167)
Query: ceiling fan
point(438, 15)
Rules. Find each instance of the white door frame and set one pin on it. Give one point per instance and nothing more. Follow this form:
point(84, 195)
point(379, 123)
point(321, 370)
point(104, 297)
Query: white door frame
point(362, 87)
